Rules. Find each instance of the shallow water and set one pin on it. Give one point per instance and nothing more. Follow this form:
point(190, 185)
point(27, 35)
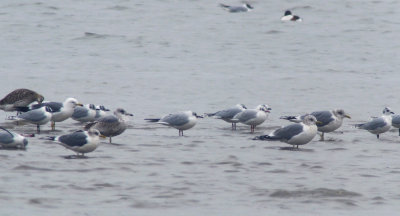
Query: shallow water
point(157, 57)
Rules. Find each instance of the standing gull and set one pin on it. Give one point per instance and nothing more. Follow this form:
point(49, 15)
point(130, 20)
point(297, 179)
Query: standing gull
point(60, 111)
point(253, 117)
point(37, 116)
point(328, 120)
point(85, 113)
point(79, 141)
point(378, 125)
point(182, 120)
point(294, 134)
point(19, 99)
point(10, 139)
point(234, 9)
point(101, 111)
point(396, 122)
point(111, 125)
point(228, 114)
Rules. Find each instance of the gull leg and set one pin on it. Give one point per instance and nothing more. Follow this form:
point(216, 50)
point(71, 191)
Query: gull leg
point(38, 128)
point(399, 131)
point(322, 136)
point(377, 136)
point(53, 125)
point(233, 126)
point(110, 139)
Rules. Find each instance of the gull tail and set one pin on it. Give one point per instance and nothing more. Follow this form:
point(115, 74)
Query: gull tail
point(359, 125)
point(291, 118)
point(152, 119)
point(22, 109)
point(209, 114)
point(51, 138)
point(265, 137)
point(224, 5)
point(89, 125)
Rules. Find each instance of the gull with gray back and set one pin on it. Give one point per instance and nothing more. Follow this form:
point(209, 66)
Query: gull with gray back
point(294, 134)
point(328, 120)
point(378, 125)
point(111, 125)
point(228, 114)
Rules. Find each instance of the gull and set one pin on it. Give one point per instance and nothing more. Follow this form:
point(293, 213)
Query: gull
point(228, 114)
point(10, 139)
point(253, 117)
point(328, 120)
point(111, 125)
point(378, 125)
point(101, 111)
point(60, 111)
point(80, 142)
point(37, 116)
point(294, 134)
point(234, 9)
point(19, 99)
point(289, 17)
point(181, 120)
point(86, 113)
point(396, 122)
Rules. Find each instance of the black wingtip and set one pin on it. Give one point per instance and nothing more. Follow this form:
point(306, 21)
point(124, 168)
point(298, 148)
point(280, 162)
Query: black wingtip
point(152, 120)
point(264, 137)
point(22, 109)
point(288, 117)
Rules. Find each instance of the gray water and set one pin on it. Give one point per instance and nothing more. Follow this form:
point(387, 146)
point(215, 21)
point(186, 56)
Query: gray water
point(157, 57)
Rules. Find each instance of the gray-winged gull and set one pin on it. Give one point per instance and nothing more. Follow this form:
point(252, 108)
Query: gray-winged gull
point(253, 117)
point(181, 120)
point(328, 120)
point(294, 134)
point(111, 125)
point(80, 142)
point(37, 116)
point(60, 111)
point(378, 125)
point(86, 113)
point(234, 9)
point(228, 114)
point(9, 139)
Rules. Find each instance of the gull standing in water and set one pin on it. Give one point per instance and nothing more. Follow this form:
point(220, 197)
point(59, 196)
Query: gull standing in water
point(294, 134)
point(253, 117)
point(10, 139)
point(80, 142)
point(396, 122)
point(37, 116)
point(101, 111)
point(85, 113)
point(111, 125)
point(228, 114)
point(328, 120)
point(234, 9)
point(378, 125)
point(182, 120)
point(60, 111)
point(19, 99)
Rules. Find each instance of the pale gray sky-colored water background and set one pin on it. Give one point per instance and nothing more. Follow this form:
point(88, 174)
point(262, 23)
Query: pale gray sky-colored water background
point(157, 57)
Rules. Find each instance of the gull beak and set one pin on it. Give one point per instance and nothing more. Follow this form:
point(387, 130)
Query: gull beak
point(129, 114)
point(318, 122)
point(347, 116)
point(79, 104)
point(102, 136)
point(392, 113)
